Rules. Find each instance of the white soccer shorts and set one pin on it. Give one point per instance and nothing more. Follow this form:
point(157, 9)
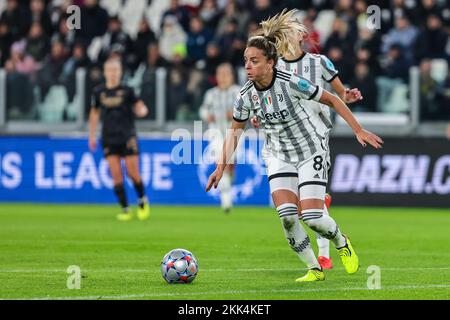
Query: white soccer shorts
point(308, 179)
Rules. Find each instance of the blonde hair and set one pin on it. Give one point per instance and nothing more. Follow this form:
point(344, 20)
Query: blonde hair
point(276, 33)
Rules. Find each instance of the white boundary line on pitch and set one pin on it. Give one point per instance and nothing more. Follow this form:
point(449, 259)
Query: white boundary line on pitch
point(233, 292)
point(207, 270)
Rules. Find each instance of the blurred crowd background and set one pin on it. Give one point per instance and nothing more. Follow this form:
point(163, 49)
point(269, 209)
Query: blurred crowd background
point(40, 54)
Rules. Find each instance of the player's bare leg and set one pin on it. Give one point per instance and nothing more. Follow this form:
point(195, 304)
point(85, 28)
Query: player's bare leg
point(115, 168)
point(132, 165)
point(286, 203)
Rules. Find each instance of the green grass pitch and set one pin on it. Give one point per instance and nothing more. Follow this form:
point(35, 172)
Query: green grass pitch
point(241, 256)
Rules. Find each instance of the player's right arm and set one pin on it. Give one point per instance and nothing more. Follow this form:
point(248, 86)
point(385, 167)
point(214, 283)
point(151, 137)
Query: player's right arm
point(94, 117)
point(229, 147)
point(241, 114)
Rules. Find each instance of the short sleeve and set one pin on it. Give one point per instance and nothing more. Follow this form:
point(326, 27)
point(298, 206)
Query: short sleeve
point(241, 112)
point(95, 99)
point(329, 72)
point(132, 98)
point(302, 88)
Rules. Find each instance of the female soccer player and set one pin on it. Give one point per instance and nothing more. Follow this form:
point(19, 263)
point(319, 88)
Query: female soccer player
point(317, 69)
point(295, 153)
point(217, 110)
point(118, 106)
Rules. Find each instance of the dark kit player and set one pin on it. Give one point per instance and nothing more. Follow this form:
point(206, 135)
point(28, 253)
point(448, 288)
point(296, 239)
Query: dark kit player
point(118, 106)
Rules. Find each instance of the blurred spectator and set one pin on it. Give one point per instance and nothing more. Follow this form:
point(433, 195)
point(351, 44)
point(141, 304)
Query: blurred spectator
point(213, 59)
point(177, 93)
point(209, 14)
point(428, 88)
point(64, 34)
point(342, 63)
point(172, 39)
point(430, 7)
point(51, 71)
point(37, 43)
point(94, 21)
point(396, 65)
point(367, 49)
point(148, 83)
point(395, 69)
point(263, 10)
point(397, 9)
point(365, 82)
point(115, 39)
point(179, 12)
point(19, 100)
point(6, 40)
point(432, 40)
point(232, 44)
point(22, 62)
point(40, 14)
point(344, 10)
point(78, 59)
point(403, 34)
point(16, 19)
point(144, 38)
point(342, 37)
point(197, 41)
point(233, 11)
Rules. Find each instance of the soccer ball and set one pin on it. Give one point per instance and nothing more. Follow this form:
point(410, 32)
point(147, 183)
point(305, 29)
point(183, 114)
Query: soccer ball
point(179, 266)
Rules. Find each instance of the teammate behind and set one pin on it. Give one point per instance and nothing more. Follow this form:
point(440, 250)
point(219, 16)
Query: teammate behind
point(118, 105)
point(294, 152)
point(318, 69)
point(217, 111)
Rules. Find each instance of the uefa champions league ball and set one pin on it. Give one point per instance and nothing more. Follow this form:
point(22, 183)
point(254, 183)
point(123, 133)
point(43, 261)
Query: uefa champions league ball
point(179, 266)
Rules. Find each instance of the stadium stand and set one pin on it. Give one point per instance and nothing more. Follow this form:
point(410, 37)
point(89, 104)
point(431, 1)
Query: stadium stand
point(40, 54)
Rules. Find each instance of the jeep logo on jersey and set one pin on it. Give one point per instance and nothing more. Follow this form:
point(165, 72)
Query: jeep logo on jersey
point(282, 114)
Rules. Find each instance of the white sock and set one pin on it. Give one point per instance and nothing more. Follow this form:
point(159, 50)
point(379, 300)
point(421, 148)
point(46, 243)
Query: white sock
point(296, 235)
point(323, 225)
point(322, 243)
point(226, 196)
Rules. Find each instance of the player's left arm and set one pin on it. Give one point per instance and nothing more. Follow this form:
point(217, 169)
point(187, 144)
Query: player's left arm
point(139, 107)
point(331, 75)
point(347, 95)
point(341, 108)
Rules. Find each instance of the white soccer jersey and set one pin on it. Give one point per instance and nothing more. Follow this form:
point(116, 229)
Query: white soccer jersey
point(290, 132)
point(317, 69)
point(218, 103)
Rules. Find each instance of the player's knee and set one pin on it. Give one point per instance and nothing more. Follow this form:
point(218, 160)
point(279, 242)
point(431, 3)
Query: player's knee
point(288, 215)
point(312, 218)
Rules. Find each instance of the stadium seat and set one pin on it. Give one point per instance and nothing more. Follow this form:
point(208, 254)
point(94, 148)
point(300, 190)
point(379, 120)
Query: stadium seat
point(439, 69)
point(398, 101)
point(52, 109)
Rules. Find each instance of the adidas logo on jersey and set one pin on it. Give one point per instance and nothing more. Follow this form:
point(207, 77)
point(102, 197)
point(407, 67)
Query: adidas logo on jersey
point(283, 114)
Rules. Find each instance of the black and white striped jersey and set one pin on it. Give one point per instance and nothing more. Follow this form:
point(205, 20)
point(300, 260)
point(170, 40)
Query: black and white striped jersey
point(291, 134)
point(317, 69)
point(218, 102)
